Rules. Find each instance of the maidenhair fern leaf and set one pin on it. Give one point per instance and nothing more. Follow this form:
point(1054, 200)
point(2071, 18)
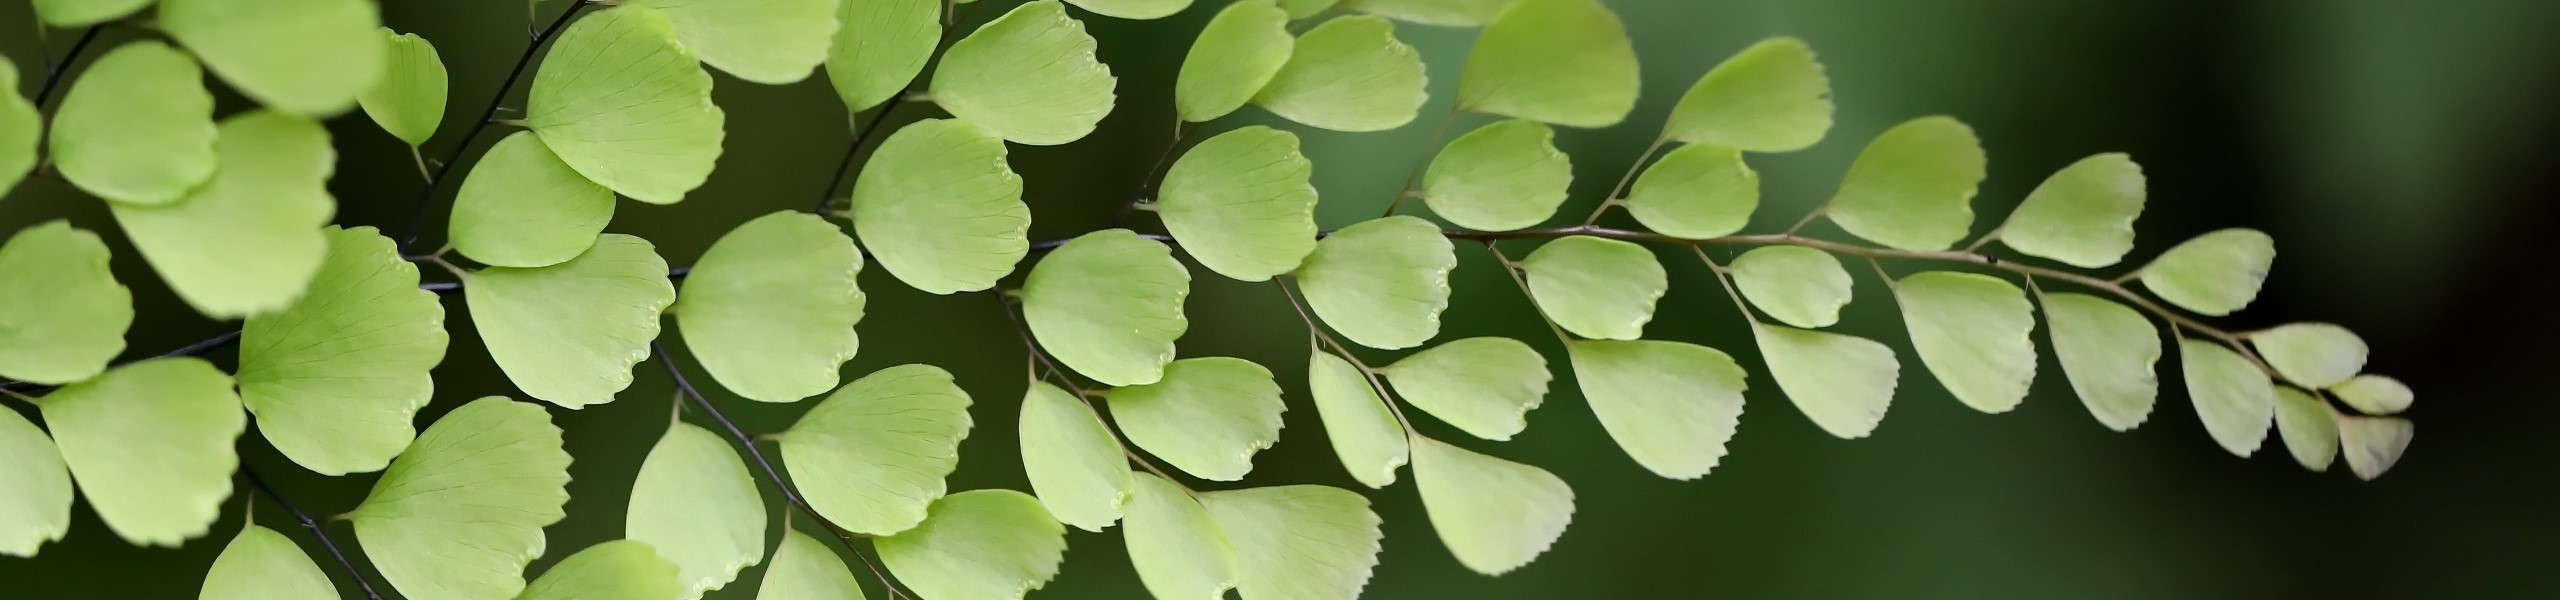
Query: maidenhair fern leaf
point(520, 206)
point(1596, 287)
point(409, 100)
point(261, 564)
point(1365, 434)
point(2374, 394)
point(150, 444)
point(569, 333)
point(805, 569)
point(137, 126)
point(1207, 416)
point(695, 503)
point(2107, 351)
point(1495, 515)
point(1176, 549)
point(1298, 542)
point(2233, 398)
point(337, 379)
point(1074, 463)
point(461, 512)
point(761, 41)
point(2309, 429)
point(1770, 97)
point(987, 80)
point(1500, 177)
point(881, 47)
point(1670, 405)
point(1447, 13)
point(249, 240)
point(1236, 54)
point(1843, 383)
point(1972, 331)
point(1381, 283)
point(615, 570)
point(2316, 355)
point(621, 101)
point(307, 57)
point(1242, 203)
point(978, 545)
point(1485, 386)
point(1134, 9)
point(36, 506)
point(1696, 192)
point(2081, 216)
point(1109, 305)
point(1566, 62)
point(1348, 74)
point(75, 13)
point(1796, 285)
point(1912, 188)
point(21, 126)
point(940, 209)
point(770, 309)
point(2373, 444)
point(871, 456)
point(67, 314)
point(2214, 274)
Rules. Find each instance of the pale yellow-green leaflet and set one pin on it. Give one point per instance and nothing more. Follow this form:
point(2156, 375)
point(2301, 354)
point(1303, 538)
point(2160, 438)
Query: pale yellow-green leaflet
point(1074, 463)
point(248, 240)
point(1485, 386)
point(20, 128)
point(67, 314)
point(1796, 285)
point(75, 13)
point(1381, 283)
point(2374, 394)
point(872, 455)
point(307, 57)
point(1133, 9)
point(1348, 74)
point(1770, 97)
point(2107, 351)
point(1365, 434)
point(2214, 274)
point(1242, 202)
point(2083, 215)
point(1109, 305)
point(762, 41)
point(337, 379)
point(569, 333)
point(1697, 192)
point(2315, 355)
point(624, 103)
point(881, 47)
point(519, 206)
point(1843, 383)
point(695, 503)
point(150, 444)
point(615, 570)
point(1058, 98)
point(770, 309)
point(261, 564)
point(1495, 515)
point(1175, 547)
point(2233, 398)
point(1500, 177)
point(1670, 405)
point(1596, 287)
point(2309, 428)
point(36, 506)
point(1566, 62)
point(461, 512)
point(1236, 54)
point(805, 569)
point(939, 208)
point(1972, 331)
point(409, 101)
point(1298, 542)
point(1207, 416)
point(978, 544)
point(2373, 444)
point(137, 126)
point(1912, 188)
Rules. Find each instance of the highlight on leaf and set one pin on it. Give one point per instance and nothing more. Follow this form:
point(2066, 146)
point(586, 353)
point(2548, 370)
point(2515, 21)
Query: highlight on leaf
point(2081, 216)
point(1972, 331)
point(1796, 285)
point(2214, 274)
point(1596, 287)
point(1348, 74)
point(2107, 351)
point(1109, 305)
point(872, 455)
point(1912, 188)
point(337, 379)
point(1207, 416)
point(1770, 97)
point(991, 544)
point(621, 101)
point(1697, 192)
point(2374, 394)
point(1495, 515)
point(520, 206)
point(1242, 202)
point(67, 314)
point(940, 209)
point(984, 79)
point(770, 309)
point(1842, 382)
point(1566, 62)
point(1500, 177)
point(2315, 355)
point(1381, 283)
point(569, 333)
point(1672, 406)
point(461, 511)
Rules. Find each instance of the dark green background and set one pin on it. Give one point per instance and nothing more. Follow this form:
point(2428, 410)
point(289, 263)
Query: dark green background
point(2399, 151)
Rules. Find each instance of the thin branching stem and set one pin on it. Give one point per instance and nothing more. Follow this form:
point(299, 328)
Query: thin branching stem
point(488, 116)
point(1154, 177)
point(1316, 331)
point(1513, 269)
point(54, 72)
point(1021, 330)
point(1429, 150)
point(1617, 192)
point(313, 525)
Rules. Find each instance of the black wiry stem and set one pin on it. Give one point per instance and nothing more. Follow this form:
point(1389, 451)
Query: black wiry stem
point(844, 165)
point(488, 116)
point(314, 526)
point(53, 73)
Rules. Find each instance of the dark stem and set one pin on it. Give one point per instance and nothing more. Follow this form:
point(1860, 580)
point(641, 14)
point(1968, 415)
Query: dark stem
point(53, 74)
point(844, 165)
point(1154, 177)
point(310, 524)
point(418, 209)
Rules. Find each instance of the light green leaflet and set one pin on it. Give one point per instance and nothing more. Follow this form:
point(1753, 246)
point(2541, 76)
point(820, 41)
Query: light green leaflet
point(1796, 285)
point(1696, 192)
point(150, 444)
point(2375, 394)
point(762, 41)
point(881, 47)
point(1236, 54)
point(1134, 9)
point(1912, 188)
point(2232, 397)
point(1300, 9)
point(1972, 331)
point(521, 207)
point(1348, 74)
point(409, 100)
point(696, 505)
point(2316, 355)
point(1208, 416)
point(75, 13)
point(67, 315)
point(978, 545)
point(1495, 515)
point(1242, 202)
point(261, 564)
point(1381, 283)
point(1366, 435)
point(1770, 97)
point(1671, 406)
point(36, 507)
point(1109, 305)
point(2213, 274)
point(1500, 177)
point(2309, 429)
point(1298, 542)
point(137, 126)
point(2107, 351)
point(20, 128)
point(770, 308)
point(1074, 464)
point(1596, 287)
point(569, 333)
point(1177, 550)
point(337, 380)
point(804, 569)
point(2082, 215)
point(308, 57)
point(1448, 13)
point(1485, 386)
point(939, 208)
point(872, 455)
point(248, 240)
point(2373, 444)
point(984, 78)
point(626, 105)
point(1566, 62)
point(461, 512)
point(1843, 383)
point(615, 570)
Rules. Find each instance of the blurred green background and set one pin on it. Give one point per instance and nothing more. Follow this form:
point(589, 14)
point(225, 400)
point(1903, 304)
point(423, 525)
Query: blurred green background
point(2400, 152)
